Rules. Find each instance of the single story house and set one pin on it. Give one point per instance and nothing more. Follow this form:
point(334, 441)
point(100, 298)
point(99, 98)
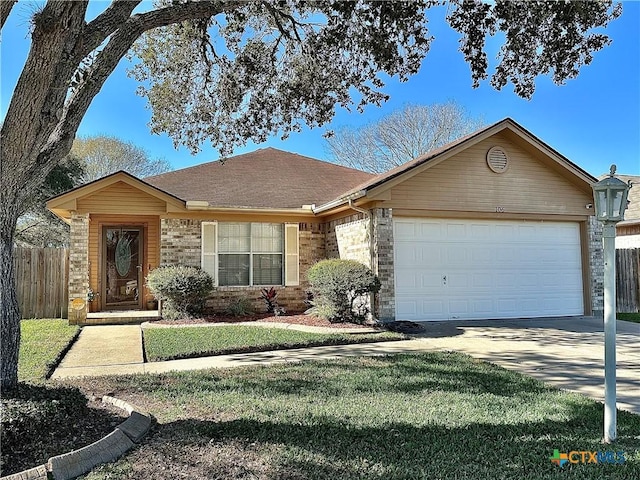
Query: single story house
point(628, 231)
point(495, 225)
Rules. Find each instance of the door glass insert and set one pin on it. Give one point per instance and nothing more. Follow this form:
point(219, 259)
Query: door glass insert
point(122, 249)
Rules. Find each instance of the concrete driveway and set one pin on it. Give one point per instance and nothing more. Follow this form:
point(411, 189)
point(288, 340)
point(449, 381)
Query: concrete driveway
point(565, 352)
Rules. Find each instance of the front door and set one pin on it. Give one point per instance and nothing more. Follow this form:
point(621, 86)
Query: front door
point(122, 261)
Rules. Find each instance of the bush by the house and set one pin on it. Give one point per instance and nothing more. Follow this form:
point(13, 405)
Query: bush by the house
point(339, 287)
point(270, 298)
point(239, 307)
point(183, 290)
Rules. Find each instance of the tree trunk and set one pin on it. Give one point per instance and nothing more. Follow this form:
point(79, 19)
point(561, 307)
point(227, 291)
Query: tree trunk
point(9, 312)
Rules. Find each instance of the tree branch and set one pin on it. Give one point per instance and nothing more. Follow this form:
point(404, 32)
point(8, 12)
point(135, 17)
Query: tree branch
point(275, 13)
point(5, 10)
point(121, 41)
point(105, 24)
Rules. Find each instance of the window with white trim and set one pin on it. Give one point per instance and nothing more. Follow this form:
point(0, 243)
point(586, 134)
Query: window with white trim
point(250, 254)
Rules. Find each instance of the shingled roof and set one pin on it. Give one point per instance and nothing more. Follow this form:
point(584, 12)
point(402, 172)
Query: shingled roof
point(266, 178)
point(632, 214)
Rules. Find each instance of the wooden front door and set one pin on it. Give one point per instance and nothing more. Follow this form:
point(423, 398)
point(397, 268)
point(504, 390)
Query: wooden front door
point(122, 264)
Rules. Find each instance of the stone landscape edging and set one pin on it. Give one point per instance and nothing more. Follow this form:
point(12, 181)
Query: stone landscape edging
point(108, 449)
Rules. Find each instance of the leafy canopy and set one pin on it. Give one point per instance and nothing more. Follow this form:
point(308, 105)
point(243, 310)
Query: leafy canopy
point(269, 68)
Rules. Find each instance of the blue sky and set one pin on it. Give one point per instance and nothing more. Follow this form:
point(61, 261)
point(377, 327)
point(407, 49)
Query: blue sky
point(593, 120)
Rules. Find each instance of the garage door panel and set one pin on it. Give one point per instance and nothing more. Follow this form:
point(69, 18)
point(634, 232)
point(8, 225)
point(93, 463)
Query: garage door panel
point(487, 269)
point(407, 282)
point(406, 308)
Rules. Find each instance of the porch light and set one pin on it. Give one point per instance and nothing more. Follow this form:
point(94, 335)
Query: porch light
point(610, 198)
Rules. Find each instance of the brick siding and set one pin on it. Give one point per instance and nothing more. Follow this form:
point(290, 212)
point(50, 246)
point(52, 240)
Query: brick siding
point(78, 264)
point(596, 265)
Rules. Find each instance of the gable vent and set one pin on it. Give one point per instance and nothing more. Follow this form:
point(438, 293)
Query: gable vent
point(497, 160)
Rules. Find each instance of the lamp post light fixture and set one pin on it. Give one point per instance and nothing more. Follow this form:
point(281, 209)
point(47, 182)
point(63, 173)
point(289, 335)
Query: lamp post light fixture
point(610, 198)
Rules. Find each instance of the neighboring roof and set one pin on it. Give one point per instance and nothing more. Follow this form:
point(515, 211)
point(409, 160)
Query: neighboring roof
point(632, 214)
point(266, 178)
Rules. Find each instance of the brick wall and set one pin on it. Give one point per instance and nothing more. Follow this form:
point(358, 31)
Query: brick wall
point(354, 241)
point(78, 264)
point(596, 265)
point(382, 258)
point(79, 256)
point(180, 242)
point(331, 243)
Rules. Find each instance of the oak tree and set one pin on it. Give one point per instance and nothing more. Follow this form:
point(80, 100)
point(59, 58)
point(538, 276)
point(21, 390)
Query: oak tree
point(230, 71)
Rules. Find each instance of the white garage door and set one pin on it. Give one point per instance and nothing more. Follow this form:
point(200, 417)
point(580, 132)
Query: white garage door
point(466, 269)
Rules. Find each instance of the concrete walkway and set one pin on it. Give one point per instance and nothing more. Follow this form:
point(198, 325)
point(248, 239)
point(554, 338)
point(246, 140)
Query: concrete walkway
point(104, 345)
point(564, 352)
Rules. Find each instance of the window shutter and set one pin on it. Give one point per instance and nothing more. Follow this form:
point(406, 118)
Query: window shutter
point(209, 262)
point(291, 255)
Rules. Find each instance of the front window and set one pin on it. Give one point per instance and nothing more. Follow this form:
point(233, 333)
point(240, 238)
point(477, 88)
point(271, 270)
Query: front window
point(250, 254)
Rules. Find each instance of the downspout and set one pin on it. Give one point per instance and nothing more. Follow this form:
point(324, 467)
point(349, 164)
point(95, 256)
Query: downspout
point(371, 252)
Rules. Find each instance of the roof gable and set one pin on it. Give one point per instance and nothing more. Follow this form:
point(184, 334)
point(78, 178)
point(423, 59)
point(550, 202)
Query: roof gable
point(508, 127)
point(120, 185)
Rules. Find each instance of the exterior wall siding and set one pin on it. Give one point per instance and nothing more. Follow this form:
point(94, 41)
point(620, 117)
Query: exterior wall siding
point(369, 240)
point(464, 183)
point(383, 266)
point(331, 244)
point(353, 241)
point(181, 245)
point(78, 264)
point(596, 266)
point(180, 242)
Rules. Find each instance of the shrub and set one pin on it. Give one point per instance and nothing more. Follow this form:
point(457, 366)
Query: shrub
point(338, 287)
point(183, 290)
point(239, 307)
point(270, 298)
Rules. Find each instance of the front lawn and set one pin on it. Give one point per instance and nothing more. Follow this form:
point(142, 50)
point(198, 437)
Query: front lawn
point(432, 416)
point(42, 344)
point(629, 317)
point(189, 342)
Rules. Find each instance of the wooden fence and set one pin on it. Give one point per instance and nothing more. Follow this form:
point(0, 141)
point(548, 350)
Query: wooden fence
point(628, 280)
point(42, 277)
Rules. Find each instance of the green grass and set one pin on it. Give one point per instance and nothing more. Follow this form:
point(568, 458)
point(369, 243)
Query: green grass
point(189, 342)
point(42, 342)
point(629, 317)
point(433, 416)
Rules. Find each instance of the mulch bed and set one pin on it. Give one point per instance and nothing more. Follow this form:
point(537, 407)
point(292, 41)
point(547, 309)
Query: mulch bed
point(299, 319)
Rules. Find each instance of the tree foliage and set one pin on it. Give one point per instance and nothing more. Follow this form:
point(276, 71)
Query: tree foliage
point(541, 38)
point(103, 155)
point(37, 226)
point(232, 71)
point(399, 137)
